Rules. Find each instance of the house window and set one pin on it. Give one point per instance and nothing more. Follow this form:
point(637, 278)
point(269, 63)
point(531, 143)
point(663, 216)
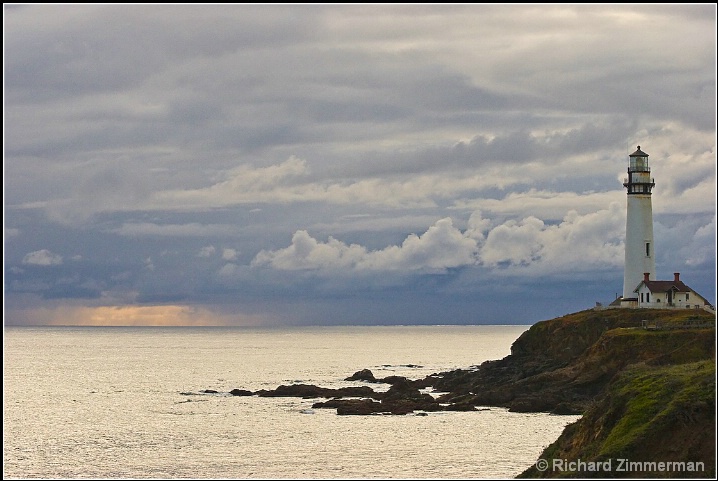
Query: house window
point(648, 249)
point(648, 297)
point(686, 297)
point(641, 297)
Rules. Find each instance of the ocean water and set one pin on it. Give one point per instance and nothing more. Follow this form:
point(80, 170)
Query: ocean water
point(102, 402)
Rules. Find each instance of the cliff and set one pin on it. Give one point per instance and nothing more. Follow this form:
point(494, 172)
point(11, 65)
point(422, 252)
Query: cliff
point(647, 395)
point(562, 365)
point(649, 414)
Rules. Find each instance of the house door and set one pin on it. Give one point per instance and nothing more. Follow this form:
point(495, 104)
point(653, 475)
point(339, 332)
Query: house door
point(670, 297)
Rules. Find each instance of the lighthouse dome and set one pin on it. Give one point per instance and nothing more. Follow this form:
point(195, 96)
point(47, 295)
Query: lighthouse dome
point(639, 153)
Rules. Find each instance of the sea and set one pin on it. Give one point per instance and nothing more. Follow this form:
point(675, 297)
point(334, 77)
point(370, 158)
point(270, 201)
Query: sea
point(126, 402)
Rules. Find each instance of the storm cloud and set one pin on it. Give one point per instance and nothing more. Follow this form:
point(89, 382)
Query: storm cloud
point(348, 164)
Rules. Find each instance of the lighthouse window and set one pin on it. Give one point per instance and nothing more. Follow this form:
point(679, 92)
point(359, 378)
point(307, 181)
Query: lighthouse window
point(648, 249)
point(638, 164)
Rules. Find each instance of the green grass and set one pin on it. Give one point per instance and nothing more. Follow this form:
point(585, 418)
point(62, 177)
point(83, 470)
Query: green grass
point(651, 396)
point(655, 389)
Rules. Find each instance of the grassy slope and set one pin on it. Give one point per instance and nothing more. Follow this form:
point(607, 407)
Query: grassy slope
point(562, 365)
point(657, 396)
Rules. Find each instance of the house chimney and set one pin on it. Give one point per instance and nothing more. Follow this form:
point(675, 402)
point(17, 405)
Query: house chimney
point(676, 276)
point(645, 276)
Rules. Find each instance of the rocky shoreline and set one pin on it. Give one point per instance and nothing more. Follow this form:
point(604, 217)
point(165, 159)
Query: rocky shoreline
point(404, 396)
point(580, 363)
point(558, 366)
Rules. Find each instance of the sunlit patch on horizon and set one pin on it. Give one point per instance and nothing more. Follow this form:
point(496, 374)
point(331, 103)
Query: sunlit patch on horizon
point(169, 315)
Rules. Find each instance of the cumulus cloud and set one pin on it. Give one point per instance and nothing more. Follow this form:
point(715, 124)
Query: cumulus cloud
point(529, 245)
point(305, 252)
point(441, 247)
point(206, 251)
point(43, 257)
point(702, 246)
point(688, 241)
point(228, 270)
point(577, 243)
point(515, 243)
point(229, 254)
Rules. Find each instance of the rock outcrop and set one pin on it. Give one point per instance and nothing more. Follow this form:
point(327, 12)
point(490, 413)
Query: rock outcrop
point(563, 364)
point(645, 394)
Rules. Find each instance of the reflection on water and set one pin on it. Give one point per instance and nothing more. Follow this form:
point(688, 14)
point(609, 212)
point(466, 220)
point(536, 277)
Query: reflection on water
point(124, 402)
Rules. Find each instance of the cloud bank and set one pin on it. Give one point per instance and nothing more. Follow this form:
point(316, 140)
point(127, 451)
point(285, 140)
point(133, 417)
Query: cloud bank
point(524, 247)
point(349, 164)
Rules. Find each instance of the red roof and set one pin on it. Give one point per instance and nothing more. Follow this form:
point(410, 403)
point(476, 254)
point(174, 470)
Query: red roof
point(664, 286)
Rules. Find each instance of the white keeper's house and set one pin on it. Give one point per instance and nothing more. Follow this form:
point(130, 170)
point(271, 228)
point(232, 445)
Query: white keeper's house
point(668, 294)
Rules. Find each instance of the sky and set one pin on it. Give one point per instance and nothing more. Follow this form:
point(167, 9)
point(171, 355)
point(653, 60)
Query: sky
point(291, 165)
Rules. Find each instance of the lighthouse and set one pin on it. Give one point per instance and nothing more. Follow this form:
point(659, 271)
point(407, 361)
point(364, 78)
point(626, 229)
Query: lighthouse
point(640, 260)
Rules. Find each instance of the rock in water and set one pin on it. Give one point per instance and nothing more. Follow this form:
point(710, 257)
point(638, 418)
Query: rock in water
point(363, 375)
point(241, 392)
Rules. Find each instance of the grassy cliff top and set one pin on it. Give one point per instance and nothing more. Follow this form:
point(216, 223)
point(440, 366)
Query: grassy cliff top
point(566, 337)
point(648, 394)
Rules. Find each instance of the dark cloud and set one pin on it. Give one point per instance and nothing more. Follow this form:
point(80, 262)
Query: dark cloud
point(299, 164)
point(85, 50)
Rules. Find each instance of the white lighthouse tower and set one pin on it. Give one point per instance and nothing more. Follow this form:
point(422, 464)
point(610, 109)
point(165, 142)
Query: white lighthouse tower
point(640, 258)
